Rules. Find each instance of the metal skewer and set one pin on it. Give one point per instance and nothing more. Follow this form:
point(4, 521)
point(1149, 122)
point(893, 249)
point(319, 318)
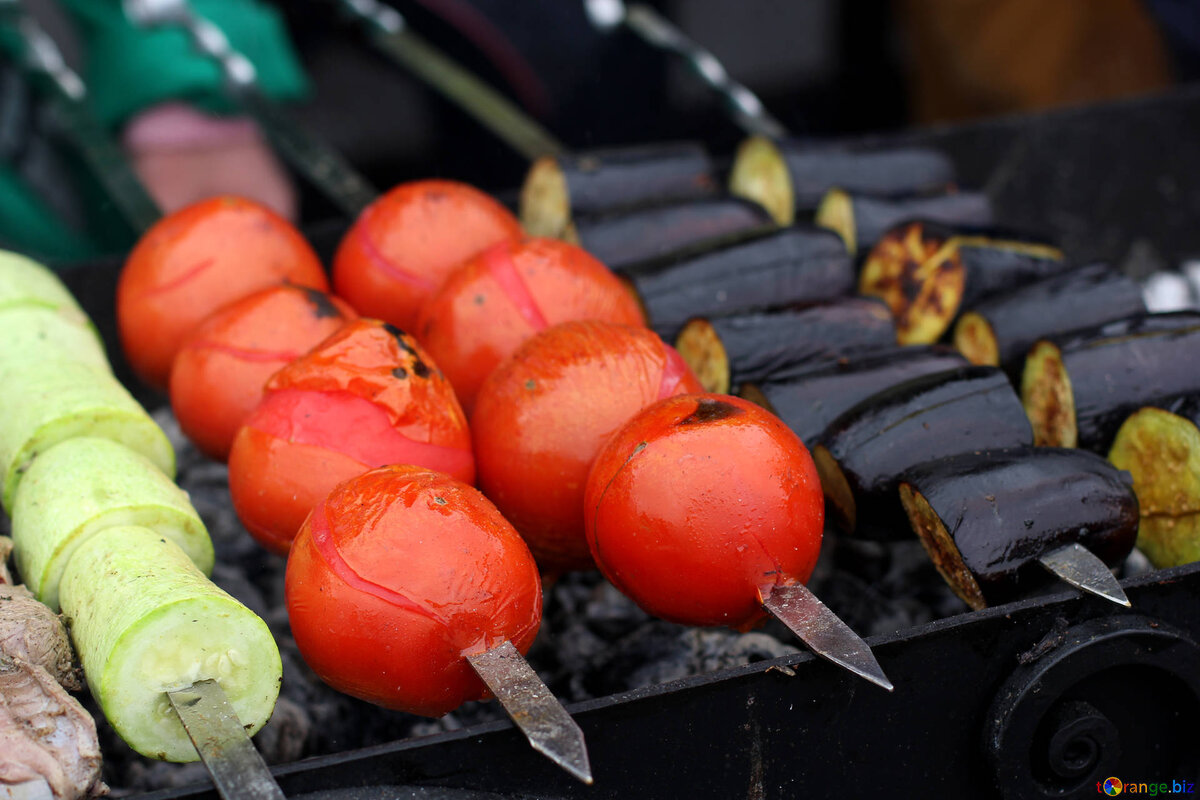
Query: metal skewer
point(1081, 568)
point(237, 769)
point(533, 708)
point(823, 632)
point(312, 157)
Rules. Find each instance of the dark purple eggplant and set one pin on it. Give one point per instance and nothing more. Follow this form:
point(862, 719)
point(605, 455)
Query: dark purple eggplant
point(926, 272)
point(865, 451)
point(558, 189)
point(1001, 329)
point(726, 351)
point(986, 517)
point(862, 221)
point(1079, 387)
point(626, 238)
point(809, 397)
point(801, 264)
point(791, 176)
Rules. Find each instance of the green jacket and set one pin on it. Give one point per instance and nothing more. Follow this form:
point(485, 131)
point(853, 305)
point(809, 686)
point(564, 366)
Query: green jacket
point(128, 69)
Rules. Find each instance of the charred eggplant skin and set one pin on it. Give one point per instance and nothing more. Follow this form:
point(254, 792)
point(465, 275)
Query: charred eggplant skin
point(872, 217)
point(800, 264)
point(760, 343)
point(605, 180)
point(621, 240)
point(809, 397)
point(1084, 297)
point(872, 445)
point(1004, 509)
point(902, 172)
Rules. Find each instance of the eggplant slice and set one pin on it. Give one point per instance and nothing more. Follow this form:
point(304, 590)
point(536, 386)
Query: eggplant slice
point(862, 221)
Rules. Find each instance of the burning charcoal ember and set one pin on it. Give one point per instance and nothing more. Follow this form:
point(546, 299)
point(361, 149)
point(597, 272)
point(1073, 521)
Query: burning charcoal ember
point(45, 733)
point(33, 634)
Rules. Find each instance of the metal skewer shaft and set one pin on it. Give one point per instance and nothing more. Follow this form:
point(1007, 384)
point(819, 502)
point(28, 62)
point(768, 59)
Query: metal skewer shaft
point(823, 632)
point(533, 708)
point(747, 110)
point(390, 34)
point(1081, 568)
point(237, 769)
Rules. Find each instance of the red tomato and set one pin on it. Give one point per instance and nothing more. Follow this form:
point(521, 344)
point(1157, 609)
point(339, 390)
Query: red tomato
point(700, 506)
point(403, 246)
point(196, 260)
point(542, 415)
point(365, 397)
point(396, 576)
point(218, 375)
point(506, 294)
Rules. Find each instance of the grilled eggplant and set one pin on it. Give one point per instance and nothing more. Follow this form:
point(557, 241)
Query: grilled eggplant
point(1001, 329)
point(726, 351)
point(623, 239)
point(557, 189)
point(862, 221)
point(1079, 387)
point(865, 452)
point(986, 517)
point(800, 264)
point(810, 397)
point(926, 272)
point(792, 176)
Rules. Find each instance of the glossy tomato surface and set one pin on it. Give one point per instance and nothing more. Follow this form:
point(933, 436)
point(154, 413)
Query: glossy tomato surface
point(403, 246)
point(700, 505)
point(396, 576)
point(195, 261)
point(365, 397)
point(503, 296)
point(218, 375)
point(543, 414)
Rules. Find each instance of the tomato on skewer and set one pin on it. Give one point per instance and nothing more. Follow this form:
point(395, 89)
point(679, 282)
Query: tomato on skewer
point(702, 504)
point(542, 415)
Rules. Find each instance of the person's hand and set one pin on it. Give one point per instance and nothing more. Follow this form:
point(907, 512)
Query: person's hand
point(183, 155)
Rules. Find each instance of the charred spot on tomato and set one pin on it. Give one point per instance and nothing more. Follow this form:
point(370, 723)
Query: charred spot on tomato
point(400, 372)
point(480, 299)
point(441, 501)
point(531, 384)
point(420, 368)
point(399, 336)
point(321, 302)
point(709, 410)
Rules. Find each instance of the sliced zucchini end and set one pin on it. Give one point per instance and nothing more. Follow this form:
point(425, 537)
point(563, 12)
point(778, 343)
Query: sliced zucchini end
point(760, 174)
point(836, 212)
point(544, 206)
point(939, 544)
point(701, 348)
point(976, 340)
point(838, 495)
point(1048, 398)
point(1170, 541)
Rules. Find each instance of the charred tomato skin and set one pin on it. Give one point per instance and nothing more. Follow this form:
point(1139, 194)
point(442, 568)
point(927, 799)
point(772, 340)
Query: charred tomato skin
point(404, 245)
point(196, 260)
point(506, 294)
point(365, 397)
point(396, 576)
point(543, 414)
point(700, 505)
point(218, 375)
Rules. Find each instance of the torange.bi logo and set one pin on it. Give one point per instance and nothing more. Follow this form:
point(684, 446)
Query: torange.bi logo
point(1114, 786)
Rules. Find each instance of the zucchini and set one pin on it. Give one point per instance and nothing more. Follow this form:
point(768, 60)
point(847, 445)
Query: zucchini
point(726, 351)
point(926, 272)
point(557, 189)
point(1079, 387)
point(37, 333)
point(862, 221)
point(1001, 329)
point(985, 518)
point(624, 239)
point(867, 450)
point(791, 176)
point(25, 282)
point(801, 264)
point(54, 400)
point(146, 621)
point(808, 399)
point(81, 486)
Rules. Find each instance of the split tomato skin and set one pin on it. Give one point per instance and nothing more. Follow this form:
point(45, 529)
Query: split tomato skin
point(506, 294)
point(404, 245)
point(193, 262)
point(365, 397)
point(543, 414)
point(700, 505)
point(218, 375)
point(398, 575)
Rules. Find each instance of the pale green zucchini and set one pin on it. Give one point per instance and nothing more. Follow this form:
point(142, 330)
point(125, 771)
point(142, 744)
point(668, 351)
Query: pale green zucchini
point(145, 621)
point(24, 281)
point(41, 334)
point(81, 486)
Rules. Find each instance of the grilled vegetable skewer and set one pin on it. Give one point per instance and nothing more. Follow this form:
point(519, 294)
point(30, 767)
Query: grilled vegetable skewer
point(862, 221)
